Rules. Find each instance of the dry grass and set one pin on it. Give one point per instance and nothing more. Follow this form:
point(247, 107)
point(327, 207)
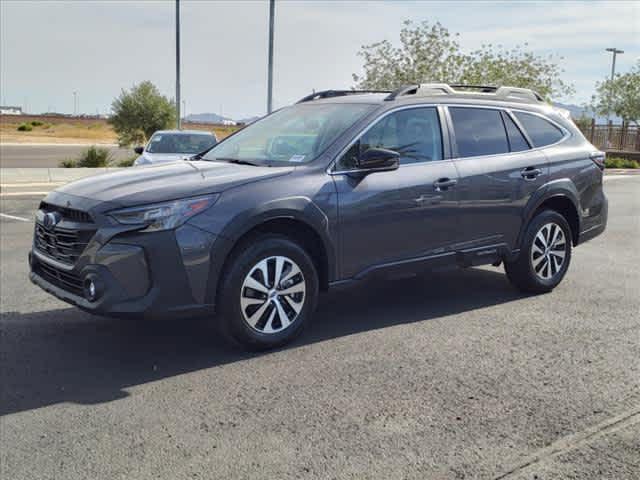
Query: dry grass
point(89, 131)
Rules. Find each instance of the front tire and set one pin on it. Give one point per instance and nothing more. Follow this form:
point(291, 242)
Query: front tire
point(545, 254)
point(268, 293)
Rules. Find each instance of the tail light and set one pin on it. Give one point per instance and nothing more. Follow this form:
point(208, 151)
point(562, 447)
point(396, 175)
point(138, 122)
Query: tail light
point(598, 158)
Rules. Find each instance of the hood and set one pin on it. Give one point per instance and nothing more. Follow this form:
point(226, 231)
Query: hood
point(167, 181)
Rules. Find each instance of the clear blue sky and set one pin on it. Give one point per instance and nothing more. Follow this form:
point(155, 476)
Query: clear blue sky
point(49, 49)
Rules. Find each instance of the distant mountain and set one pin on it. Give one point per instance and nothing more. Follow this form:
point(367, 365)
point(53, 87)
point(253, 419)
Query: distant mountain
point(578, 111)
point(207, 118)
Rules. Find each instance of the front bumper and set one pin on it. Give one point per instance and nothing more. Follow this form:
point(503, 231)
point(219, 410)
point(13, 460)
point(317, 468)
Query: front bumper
point(137, 274)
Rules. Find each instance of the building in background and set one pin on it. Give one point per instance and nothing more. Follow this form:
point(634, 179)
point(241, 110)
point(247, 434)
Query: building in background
point(10, 110)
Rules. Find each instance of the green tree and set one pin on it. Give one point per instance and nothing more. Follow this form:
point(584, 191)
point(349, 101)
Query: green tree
point(430, 53)
point(623, 93)
point(139, 112)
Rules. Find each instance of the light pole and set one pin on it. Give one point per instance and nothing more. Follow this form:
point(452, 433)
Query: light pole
point(178, 64)
point(272, 7)
point(615, 52)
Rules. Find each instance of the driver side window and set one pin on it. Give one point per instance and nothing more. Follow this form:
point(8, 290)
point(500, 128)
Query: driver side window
point(414, 133)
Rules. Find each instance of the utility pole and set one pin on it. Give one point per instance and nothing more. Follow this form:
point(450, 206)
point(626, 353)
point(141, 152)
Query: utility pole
point(272, 8)
point(178, 64)
point(75, 104)
point(615, 52)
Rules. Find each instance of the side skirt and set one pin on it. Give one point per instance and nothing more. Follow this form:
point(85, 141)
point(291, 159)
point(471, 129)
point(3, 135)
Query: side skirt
point(472, 257)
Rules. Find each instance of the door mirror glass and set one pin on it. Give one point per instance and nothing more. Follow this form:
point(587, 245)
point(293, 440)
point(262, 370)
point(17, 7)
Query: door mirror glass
point(379, 159)
point(139, 150)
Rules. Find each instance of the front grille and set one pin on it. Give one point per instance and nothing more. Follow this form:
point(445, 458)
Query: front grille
point(67, 213)
point(65, 280)
point(62, 244)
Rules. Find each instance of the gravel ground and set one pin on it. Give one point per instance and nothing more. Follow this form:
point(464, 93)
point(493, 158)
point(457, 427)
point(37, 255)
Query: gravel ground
point(450, 375)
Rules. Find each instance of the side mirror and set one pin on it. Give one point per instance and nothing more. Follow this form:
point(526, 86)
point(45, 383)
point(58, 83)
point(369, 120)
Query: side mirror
point(379, 159)
point(139, 150)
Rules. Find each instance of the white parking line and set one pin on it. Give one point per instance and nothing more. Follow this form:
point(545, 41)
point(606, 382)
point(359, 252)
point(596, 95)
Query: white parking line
point(13, 217)
point(38, 184)
point(18, 194)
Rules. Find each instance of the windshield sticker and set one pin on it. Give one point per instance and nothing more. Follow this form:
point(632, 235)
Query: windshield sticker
point(297, 158)
point(157, 138)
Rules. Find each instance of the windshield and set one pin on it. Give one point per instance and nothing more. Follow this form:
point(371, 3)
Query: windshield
point(180, 143)
point(295, 134)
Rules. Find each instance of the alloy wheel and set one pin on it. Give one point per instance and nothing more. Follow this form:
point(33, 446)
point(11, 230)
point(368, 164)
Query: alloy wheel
point(272, 294)
point(548, 251)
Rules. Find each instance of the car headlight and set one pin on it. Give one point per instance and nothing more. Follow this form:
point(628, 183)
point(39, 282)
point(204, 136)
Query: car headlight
point(163, 216)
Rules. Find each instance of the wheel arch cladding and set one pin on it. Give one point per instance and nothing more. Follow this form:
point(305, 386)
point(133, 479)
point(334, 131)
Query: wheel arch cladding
point(290, 226)
point(566, 207)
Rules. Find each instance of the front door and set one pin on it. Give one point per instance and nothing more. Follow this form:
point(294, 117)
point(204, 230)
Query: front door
point(387, 217)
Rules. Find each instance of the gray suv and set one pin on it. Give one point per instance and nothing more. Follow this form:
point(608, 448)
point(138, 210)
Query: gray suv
point(340, 187)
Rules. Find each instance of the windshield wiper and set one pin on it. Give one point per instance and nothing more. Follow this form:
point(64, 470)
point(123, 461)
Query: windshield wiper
point(236, 161)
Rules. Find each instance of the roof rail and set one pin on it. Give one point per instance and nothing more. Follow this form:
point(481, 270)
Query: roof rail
point(429, 89)
point(482, 88)
point(336, 93)
point(517, 92)
point(421, 89)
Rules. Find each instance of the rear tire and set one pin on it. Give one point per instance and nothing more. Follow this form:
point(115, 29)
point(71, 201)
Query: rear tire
point(545, 254)
point(268, 293)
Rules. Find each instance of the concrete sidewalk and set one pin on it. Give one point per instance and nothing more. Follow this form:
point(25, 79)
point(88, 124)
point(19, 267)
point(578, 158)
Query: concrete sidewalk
point(18, 176)
point(22, 182)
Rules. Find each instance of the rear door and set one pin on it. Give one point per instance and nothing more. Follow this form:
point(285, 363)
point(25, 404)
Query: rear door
point(386, 217)
point(499, 171)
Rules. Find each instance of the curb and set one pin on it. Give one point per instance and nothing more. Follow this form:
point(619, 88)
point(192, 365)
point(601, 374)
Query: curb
point(17, 176)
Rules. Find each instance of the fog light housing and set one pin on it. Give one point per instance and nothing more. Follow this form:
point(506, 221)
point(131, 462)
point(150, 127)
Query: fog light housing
point(91, 288)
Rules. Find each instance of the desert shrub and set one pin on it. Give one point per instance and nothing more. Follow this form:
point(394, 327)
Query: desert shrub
point(126, 162)
point(24, 127)
point(36, 123)
point(94, 157)
point(617, 162)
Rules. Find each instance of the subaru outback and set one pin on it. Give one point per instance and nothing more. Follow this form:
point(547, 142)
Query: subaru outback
point(340, 187)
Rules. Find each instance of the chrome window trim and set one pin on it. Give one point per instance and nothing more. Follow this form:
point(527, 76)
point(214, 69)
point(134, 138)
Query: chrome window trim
point(443, 135)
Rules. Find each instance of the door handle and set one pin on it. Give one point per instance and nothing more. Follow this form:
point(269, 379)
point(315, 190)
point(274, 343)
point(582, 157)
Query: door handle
point(530, 173)
point(443, 184)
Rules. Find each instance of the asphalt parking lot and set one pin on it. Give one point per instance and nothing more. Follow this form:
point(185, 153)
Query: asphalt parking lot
point(444, 376)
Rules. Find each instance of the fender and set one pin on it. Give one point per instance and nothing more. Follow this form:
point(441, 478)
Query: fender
point(299, 208)
point(562, 187)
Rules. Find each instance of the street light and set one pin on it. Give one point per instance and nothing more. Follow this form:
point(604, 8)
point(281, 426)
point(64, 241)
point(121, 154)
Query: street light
point(272, 7)
point(178, 64)
point(615, 52)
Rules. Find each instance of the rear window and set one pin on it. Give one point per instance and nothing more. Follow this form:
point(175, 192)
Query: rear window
point(478, 131)
point(540, 131)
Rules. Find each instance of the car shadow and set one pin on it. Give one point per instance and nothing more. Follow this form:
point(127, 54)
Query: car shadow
point(70, 356)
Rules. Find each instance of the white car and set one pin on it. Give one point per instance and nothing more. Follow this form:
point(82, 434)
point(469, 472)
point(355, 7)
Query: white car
point(172, 145)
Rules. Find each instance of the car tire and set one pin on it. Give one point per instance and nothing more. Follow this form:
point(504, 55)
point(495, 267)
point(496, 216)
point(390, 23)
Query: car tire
point(263, 313)
point(545, 254)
